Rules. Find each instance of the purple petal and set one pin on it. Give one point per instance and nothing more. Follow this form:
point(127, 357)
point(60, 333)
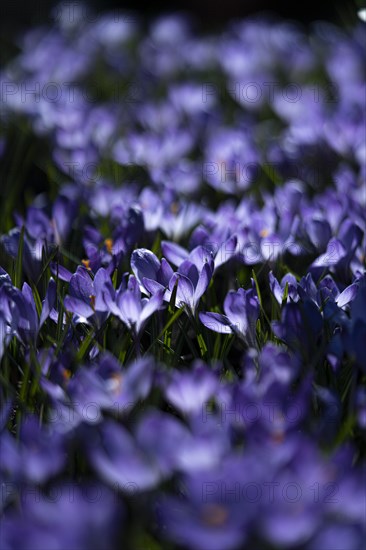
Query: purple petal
point(130, 308)
point(188, 391)
point(189, 270)
point(31, 306)
point(174, 253)
point(319, 232)
point(234, 307)
point(270, 247)
point(2, 336)
point(151, 306)
point(49, 301)
point(101, 278)
point(347, 296)
point(216, 322)
point(118, 460)
point(203, 282)
point(61, 272)
point(144, 263)
point(226, 251)
point(201, 256)
point(78, 306)
point(335, 252)
point(62, 215)
point(287, 530)
point(185, 292)
point(165, 272)
point(104, 290)
point(152, 286)
point(81, 285)
point(275, 287)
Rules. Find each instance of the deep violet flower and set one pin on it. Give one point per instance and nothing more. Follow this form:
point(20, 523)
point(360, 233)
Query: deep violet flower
point(188, 391)
point(85, 294)
point(132, 309)
point(40, 454)
point(241, 314)
point(89, 509)
point(151, 273)
point(19, 315)
point(192, 278)
point(194, 275)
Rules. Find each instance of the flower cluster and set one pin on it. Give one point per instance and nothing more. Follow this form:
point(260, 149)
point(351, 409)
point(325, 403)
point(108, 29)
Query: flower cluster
point(183, 300)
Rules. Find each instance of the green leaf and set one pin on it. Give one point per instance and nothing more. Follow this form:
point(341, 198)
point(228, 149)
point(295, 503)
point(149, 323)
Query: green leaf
point(19, 261)
point(85, 345)
point(257, 287)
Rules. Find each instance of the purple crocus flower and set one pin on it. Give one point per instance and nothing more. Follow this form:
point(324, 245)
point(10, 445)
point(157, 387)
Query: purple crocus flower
point(181, 449)
point(355, 333)
point(165, 210)
point(32, 251)
point(151, 273)
point(192, 278)
point(189, 390)
point(129, 230)
point(241, 314)
point(40, 454)
point(85, 298)
point(319, 232)
point(19, 314)
point(340, 251)
point(109, 386)
point(194, 275)
point(119, 460)
point(278, 289)
point(327, 294)
point(89, 510)
point(224, 168)
point(281, 524)
point(222, 252)
point(179, 219)
point(133, 310)
point(127, 385)
point(300, 327)
point(210, 511)
point(338, 536)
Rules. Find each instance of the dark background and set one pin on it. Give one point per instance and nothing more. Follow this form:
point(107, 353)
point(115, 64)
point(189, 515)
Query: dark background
point(17, 14)
point(210, 15)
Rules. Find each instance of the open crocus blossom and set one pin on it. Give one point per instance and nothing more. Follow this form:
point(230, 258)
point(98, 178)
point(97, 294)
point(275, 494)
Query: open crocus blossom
point(192, 278)
point(85, 298)
point(133, 310)
point(19, 315)
point(189, 391)
point(194, 275)
point(153, 275)
point(222, 252)
point(241, 315)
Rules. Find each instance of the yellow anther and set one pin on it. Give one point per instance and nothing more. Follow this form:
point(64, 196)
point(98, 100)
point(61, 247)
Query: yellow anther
point(174, 208)
point(215, 515)
point(109, 244)
point(86, 263)
point(66, 373)
point(116, 382)
point(278, 437)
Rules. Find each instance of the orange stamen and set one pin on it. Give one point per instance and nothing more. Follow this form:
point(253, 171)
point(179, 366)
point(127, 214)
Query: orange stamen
point(215, 515)
point(109, 244)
